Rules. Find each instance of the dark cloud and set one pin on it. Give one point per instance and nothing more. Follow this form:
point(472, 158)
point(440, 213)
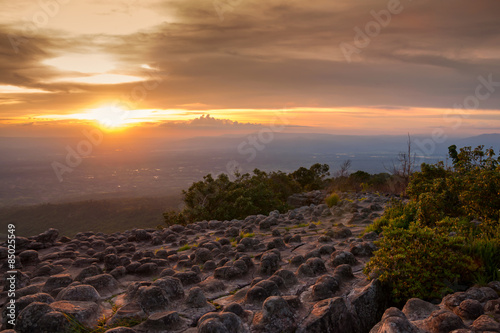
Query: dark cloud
point(268, 54)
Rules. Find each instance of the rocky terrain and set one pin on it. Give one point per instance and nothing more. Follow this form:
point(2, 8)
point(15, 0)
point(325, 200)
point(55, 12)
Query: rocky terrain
point(294, 272)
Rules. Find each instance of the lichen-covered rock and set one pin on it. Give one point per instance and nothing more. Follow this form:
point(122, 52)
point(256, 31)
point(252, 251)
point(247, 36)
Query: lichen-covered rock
point(225, 322)
point(27, 320)
point(147, 269)
point(417, 309)
point(276, 243)
point(235, 308)
point(340, 232)
point(24, 301)
point(269, 263)
point(152, 299)
point(86, 313)
point(297, 260)
point(485, 323)
point(469, 309)
point(48, 236)
point(275, 317)
point(54, 321)
point(312, 267)
point(196, 298)
point(443, 321)
point(105, 284)
point(56, 282)
point(188, 278)
point(83, 293)
point(394, 321)
point(87, 272)
point(202, 255)
point(492, 306)
point(171, 286)
point(363, 249)
point(289, 278)
point(330, 315)
point(342, 257)
point(29, 257)
point(262, 290)
point(325, 287)
point(343, 272)
point(369, 304)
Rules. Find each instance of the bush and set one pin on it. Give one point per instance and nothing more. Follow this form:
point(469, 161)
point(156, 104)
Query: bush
point(332, 200)
point(248, 194)
point(397, 214)
point(418, 262)
point(471, 188)
point(448, 232)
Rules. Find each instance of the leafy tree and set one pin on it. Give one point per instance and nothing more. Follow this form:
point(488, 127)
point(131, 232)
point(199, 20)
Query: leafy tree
point(257, 193)
point(312, 178)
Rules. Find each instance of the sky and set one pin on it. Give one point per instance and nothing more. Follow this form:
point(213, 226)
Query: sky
point(217, 66)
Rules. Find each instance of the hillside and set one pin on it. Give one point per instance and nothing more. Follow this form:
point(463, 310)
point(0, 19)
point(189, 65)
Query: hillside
point(106, 216)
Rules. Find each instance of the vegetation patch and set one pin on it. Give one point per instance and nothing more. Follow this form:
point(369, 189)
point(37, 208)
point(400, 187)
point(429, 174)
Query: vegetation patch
point(447, 234)
point(332, 200)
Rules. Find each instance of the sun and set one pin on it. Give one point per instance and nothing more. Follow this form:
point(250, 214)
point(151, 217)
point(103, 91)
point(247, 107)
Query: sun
point(110, 117)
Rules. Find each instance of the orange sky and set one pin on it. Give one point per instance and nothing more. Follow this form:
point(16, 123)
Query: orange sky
point(156, 65)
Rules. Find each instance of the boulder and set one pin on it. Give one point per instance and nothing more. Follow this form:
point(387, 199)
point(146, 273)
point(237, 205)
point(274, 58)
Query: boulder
point(56, 282)
point(276, 317)
point(325, 287)
point(394, 321)
point(83, 293)
point(27, 320)
point(369, 304)
point(171, 286)
point(105, 284)
point(225, 322)
point(485, 323)
point(330, 315)
point(342, 257)
point(86, 313)
point(442, 321)
point(196, 298)
point(269, 263)
point(469, 309)
point(417, 309)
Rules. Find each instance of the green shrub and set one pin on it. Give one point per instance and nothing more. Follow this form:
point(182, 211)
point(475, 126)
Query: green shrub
point(222, 198)
point(449, 231)
point(486, 249)
point(397, 214)
point(332, 200)
point(420, 262)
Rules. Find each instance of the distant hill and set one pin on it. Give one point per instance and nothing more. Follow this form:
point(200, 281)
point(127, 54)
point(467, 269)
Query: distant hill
point(488, 140)
point(106, 216)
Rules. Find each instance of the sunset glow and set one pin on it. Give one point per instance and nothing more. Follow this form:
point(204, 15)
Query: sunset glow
point(180, 60)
